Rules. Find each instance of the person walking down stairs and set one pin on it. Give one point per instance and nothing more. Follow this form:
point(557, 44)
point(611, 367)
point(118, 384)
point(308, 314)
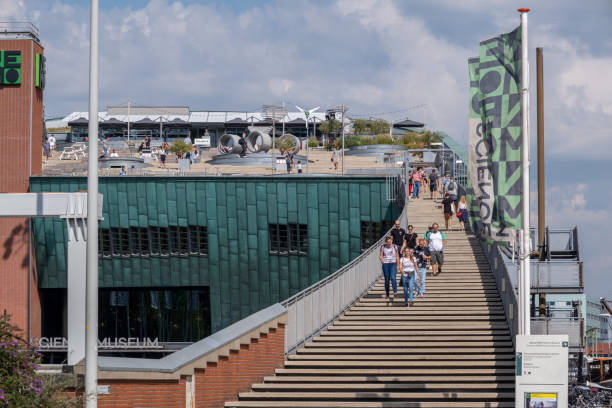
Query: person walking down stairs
point(409, 275)
point(436, 241)
point(422, 255)
point(389, 258)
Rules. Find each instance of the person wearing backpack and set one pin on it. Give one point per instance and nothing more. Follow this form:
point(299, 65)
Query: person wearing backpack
point(389, 258)
point(409, 275)
point(453, 189)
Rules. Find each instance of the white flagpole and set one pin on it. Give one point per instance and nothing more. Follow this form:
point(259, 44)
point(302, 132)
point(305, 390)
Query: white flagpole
point(525, 281)
point(91, 296)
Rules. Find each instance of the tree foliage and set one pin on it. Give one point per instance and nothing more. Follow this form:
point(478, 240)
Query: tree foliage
point(180, 148)
point(325, 126)
point(20, 384)
point(370, 127)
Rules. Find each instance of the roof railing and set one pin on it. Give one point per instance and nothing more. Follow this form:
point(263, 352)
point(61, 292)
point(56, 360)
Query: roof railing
point(18, 29)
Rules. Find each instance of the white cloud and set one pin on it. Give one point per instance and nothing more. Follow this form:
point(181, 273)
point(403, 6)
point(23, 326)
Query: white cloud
point(13, 10)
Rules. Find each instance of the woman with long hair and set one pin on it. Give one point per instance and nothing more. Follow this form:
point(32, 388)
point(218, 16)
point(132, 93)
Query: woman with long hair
point(389, 258)
point(462, 212)
point(409, 275)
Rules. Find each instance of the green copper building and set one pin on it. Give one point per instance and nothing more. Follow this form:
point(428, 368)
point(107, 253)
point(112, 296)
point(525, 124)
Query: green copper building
point(182, 257)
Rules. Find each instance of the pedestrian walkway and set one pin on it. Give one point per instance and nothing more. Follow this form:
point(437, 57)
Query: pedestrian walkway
point(450, 349)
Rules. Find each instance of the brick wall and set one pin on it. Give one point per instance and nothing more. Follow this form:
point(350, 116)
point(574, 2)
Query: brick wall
point(213, 384)
point(144, 394)
point(222, 381)
point(21, 114)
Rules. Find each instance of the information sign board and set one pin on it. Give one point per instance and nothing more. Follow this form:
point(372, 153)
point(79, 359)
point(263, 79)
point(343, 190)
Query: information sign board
point(203, 141)
point(541, 371)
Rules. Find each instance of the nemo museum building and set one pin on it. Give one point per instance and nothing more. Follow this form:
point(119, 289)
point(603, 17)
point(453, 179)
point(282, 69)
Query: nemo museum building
point(179, 257)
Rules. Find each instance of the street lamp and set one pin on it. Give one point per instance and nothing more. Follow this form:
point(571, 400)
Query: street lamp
point(307, 113)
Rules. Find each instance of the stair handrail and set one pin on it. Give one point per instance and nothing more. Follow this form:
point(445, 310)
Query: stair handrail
point(313, 309)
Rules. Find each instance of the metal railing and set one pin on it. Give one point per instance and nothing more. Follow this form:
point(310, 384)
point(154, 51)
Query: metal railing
point(570, 326)
point(315, 308)
point(506, 290)
point(559, 274)
point(19, 29)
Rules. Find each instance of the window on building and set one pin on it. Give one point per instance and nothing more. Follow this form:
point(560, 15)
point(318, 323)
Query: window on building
point(288, 238)
point(179, 240)
point(372, 232)
point(120, 241)
point(153, 241)
point(104, 246)
point(139, 239)
point(198, 240)
point(164, 245)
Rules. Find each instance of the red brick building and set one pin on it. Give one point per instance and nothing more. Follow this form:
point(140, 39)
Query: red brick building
point(21, 132)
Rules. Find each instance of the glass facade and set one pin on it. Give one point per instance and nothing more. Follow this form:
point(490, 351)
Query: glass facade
point(168, 314)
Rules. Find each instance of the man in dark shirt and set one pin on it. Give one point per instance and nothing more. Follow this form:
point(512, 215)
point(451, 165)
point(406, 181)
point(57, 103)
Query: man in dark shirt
point(422, 254)
point(447, 211)
point(398, 234)
point(433, 184)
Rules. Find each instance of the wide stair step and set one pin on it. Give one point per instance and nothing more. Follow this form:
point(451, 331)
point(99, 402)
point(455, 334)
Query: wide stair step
point(450, 349)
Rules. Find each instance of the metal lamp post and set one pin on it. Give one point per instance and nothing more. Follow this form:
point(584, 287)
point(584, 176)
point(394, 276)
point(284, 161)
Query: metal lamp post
point(307, 113)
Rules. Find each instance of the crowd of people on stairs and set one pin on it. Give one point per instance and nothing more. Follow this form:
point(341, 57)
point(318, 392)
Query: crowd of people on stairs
point(411, 256)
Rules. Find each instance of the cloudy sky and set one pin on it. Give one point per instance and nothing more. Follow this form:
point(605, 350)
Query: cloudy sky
point(382, 58)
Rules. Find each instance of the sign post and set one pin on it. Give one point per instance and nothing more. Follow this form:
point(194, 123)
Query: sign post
point(541, 371)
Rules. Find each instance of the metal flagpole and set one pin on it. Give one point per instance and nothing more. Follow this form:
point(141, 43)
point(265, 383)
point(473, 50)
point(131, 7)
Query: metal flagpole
point(91, 291)
point(524, 290)
point(128, 120)
point(307, 149)
point(342, 126)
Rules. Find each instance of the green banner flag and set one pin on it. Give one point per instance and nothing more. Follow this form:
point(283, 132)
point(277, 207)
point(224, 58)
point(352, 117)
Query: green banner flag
point(495, 188)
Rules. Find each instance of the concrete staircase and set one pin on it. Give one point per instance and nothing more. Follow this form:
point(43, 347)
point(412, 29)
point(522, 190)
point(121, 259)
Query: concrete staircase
point(450, 349)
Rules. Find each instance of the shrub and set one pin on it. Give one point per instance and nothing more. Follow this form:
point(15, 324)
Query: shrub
point(285, 143)
point(382, 139)
point(20, 385)
point(313, 142)
point(180, 148)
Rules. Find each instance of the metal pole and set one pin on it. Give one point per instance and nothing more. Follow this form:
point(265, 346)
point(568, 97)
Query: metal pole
point(285, 114)
point(91, 325)
point(541, 176)
point(524, 291)
point(307, 149)
point(273, 136)
point(160, 127)
point(314, 128)
point(342, 126)
point(128, 120)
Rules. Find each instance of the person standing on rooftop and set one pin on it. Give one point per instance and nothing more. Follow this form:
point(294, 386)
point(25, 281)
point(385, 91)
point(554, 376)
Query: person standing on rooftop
point(389, 258)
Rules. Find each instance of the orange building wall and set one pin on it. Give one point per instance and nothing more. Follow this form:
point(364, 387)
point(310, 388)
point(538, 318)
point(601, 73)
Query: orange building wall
point(21, 107)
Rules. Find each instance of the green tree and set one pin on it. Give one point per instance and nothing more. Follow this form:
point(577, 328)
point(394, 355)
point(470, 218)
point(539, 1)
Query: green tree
point(325, 126)
point(180, 148)
point(370, 127)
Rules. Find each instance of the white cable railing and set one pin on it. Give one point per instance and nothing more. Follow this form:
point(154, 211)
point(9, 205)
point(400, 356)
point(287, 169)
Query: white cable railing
point(315, 308)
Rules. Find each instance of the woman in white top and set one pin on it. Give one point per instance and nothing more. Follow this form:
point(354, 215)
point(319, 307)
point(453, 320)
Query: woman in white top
point(462, 214)
point(409, 274)
point(389, 258)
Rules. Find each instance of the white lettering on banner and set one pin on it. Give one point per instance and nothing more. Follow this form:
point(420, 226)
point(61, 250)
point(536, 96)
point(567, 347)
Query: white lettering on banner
point(108, 343)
